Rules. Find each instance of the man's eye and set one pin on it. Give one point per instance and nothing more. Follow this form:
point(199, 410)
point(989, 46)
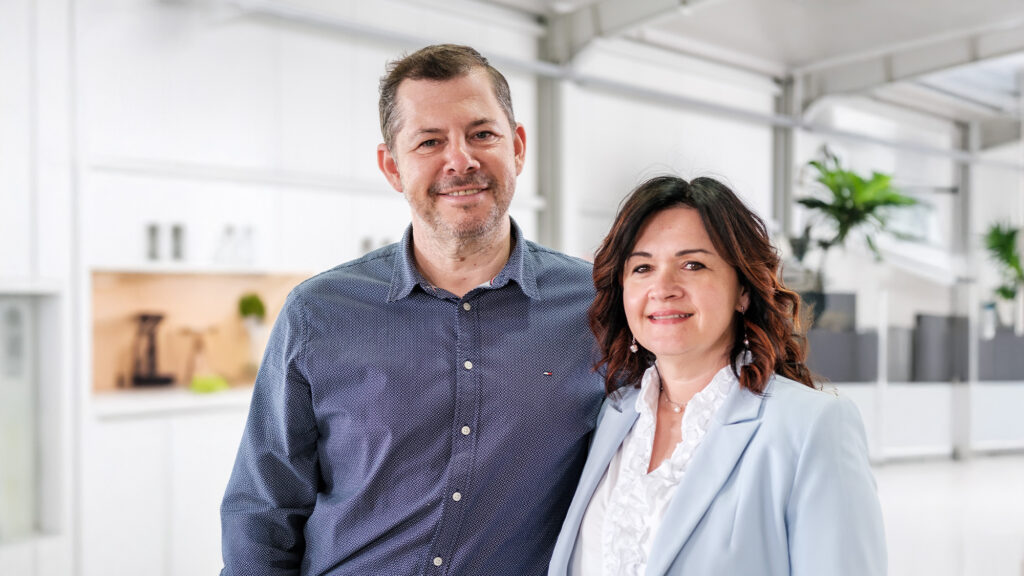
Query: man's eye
point(428, 143)
point(484, 135)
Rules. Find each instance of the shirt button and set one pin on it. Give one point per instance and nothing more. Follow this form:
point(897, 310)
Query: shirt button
point(457, 496)
point(468, 365)
point(438, 561)
point(465, 430)
point(467, 306)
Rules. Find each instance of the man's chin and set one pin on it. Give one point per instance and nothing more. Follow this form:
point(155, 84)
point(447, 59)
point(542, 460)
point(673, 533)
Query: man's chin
point(469, 229)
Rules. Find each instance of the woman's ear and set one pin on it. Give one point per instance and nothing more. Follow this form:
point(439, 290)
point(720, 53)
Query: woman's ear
point(743, 302)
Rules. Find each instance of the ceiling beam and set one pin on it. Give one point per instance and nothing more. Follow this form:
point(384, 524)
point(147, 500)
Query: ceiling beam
point(903, 63)
point(569, 33)
point(997, 132)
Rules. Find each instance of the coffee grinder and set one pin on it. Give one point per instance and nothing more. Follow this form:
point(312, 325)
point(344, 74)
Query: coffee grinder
point(144, 365)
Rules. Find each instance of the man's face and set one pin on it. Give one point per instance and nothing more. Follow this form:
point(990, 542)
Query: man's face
point(455, 157)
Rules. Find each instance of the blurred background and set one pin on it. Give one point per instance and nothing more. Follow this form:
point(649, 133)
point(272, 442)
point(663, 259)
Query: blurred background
point(170, 169)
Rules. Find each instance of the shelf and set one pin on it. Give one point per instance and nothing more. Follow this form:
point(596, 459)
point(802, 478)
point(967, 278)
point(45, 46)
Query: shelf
point(141, 403)
point(187, 268)
point(28, 287)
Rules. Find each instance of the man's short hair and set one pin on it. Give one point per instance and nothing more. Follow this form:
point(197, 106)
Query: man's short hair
point(439, 62)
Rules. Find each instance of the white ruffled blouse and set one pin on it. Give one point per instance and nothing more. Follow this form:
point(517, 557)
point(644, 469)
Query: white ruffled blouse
point(627, 508)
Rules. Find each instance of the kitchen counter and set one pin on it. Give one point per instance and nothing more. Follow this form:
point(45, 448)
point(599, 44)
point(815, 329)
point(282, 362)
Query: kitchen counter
point(141, 403)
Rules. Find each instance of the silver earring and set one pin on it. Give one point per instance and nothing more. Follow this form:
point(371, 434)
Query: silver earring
point(633, 347)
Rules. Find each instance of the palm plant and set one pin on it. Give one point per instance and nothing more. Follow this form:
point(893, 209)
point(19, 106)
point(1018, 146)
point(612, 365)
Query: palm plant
point(852, 203)
point(1001, 243)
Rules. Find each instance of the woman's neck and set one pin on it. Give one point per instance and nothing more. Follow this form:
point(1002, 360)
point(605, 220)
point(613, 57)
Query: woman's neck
point(681, 380)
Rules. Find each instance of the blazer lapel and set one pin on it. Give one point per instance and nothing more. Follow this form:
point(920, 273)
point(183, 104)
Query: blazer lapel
point(611, 431)
point(730, 432)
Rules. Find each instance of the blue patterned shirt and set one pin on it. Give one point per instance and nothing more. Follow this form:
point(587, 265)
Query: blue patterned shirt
point(398, 429)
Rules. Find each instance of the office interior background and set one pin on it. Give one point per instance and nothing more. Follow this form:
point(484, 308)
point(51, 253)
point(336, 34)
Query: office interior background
point(162, 160)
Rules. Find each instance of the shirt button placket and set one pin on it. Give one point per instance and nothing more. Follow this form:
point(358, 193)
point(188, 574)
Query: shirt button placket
point(467, 404)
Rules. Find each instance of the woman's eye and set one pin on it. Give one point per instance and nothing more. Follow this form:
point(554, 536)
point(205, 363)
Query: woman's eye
point(693, 266)
point(641, 268)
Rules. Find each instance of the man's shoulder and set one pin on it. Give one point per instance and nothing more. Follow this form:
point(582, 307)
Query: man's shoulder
point(551, 259)
point(372, 270)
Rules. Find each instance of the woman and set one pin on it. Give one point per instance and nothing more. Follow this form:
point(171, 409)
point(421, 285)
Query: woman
point(714, 453)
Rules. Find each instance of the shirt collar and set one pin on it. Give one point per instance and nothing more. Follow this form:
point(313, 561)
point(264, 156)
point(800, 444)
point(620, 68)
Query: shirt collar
point(518, 268)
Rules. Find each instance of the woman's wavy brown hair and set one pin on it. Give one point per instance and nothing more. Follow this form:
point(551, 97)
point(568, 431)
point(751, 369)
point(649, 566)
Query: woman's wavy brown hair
point(771, 322)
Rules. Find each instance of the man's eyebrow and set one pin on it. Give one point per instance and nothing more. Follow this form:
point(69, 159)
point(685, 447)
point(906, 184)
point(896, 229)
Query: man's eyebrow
point(474, 124)
point(422, 131)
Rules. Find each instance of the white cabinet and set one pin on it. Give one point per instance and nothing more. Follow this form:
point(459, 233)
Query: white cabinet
point(146, 222)
point(124, 503)
point(378, 219)
point(153, 478)
point(321, 229)
point(202, 452)
point(315, 230)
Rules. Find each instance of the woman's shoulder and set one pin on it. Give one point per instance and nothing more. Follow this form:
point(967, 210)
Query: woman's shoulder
point(791, 391)
point(795, 404)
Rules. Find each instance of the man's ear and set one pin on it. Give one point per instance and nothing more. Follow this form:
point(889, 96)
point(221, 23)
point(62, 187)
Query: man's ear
point(519, 145)
point(389, 167)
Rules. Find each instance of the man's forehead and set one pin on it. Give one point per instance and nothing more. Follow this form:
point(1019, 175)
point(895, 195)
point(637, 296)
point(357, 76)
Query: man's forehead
point(425, 101)
point(436, 87)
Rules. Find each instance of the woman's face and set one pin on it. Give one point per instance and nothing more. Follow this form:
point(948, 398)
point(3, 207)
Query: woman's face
point(679, 295)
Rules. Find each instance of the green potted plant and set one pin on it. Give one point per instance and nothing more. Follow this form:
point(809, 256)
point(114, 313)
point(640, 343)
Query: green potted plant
point(253, 311)
point(1001, 244)
point(847, 202)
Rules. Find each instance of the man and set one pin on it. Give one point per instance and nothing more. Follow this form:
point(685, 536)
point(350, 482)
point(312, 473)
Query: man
point(426, 408)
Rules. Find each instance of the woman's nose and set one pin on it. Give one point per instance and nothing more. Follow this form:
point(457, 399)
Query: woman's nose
point(666, 286)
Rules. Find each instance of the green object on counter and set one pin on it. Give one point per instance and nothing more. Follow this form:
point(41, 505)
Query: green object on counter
point(208, 383)
point(251, 305)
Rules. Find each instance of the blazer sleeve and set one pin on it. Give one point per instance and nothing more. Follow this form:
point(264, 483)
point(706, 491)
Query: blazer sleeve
point(833, 519)
point(275, 479)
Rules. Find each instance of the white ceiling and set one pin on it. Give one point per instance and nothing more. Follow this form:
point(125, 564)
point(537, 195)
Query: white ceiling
point(800, 33)
point(782, 37)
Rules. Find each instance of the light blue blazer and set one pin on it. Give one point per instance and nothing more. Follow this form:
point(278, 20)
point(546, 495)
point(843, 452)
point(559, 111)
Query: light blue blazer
point(779, 486)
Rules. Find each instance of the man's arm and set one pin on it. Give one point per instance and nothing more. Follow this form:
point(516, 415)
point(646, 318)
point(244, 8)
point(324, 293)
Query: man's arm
point(274, 483)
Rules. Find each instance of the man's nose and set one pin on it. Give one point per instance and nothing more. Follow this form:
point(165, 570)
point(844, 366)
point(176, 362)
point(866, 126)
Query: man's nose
point(460, 158)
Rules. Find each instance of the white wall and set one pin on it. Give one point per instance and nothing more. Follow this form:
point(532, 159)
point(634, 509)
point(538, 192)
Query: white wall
point(15, 137)
point(36, 256)
point(611, 143)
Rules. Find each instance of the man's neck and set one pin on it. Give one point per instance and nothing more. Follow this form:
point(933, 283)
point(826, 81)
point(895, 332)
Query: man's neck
point(458, 266)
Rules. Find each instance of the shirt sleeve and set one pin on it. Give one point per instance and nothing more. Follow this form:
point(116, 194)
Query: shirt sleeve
point(275, 479)
point(834, 519)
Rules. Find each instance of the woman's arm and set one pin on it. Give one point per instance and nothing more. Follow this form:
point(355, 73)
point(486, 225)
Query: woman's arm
point(834, 520)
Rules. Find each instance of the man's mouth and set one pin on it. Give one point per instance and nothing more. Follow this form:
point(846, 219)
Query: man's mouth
point(468, 192)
